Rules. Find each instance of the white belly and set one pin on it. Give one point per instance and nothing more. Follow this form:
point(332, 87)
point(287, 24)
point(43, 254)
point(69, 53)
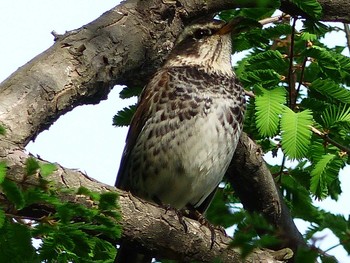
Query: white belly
point(191, 160)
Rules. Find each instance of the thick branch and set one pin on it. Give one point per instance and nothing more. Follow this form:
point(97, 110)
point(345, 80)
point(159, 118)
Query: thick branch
point(84, 64)
point(160, 230)
point(252, 181)
point(124, 46)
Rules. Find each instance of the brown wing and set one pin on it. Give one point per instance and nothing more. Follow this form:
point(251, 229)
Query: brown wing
point(143, 112)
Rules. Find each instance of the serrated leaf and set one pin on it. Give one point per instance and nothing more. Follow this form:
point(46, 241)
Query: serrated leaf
point(31, 166)
point(316, 27)
point(277, 31)
point(331, 89)
point(311, 7)
point(261, 76)
point(271, 59)
point(128, 92)
point(326, 60)
point(124, 116)
point(306, 36)
point(263, 9)
point(335, 115)
point(13, 193)
point(268, 109)
point(15, 238)
point(263, 56)
point(324, 172)
point(296, 132)
point(315, 105)
point(3, 169)
point(47, 169)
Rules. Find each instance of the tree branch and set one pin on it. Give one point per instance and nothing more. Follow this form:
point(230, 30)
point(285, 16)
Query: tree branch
point(159, 227)
point(256, 188)
point(83, 65)
point(326, 138)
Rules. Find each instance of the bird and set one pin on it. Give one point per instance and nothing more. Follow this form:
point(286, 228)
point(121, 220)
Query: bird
point(186, 126)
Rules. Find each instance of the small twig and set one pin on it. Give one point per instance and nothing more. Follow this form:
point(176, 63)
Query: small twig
point(273, 19)
point(347, 34)
point(249, 93)
point(300, 80)
point(56, 35)
point(329, 140)
point(282, 166)
point(332, 247)
point(290, 71)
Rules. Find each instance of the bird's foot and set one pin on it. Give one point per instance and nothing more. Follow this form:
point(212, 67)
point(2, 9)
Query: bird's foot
point(179, 214)
point(194, 214)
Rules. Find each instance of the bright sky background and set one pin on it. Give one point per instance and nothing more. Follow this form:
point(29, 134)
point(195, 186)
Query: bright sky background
point(85, 138)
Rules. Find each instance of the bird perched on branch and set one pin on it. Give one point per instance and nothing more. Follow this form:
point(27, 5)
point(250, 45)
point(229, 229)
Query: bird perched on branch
point(187, 124)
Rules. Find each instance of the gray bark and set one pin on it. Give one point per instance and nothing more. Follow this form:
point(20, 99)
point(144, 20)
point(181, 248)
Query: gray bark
point(124, 46)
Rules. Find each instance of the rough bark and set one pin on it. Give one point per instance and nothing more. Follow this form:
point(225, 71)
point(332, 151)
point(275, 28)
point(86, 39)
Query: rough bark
point(124, 46)
point(252, 181)
point(144, 223)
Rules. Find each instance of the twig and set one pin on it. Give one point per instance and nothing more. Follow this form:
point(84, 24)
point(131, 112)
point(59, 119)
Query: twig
point(273, 19)
point(300, 80)
point(249, 93)
point(282, 167)
point(329, 140)
point(347, 34)
point(291, 84)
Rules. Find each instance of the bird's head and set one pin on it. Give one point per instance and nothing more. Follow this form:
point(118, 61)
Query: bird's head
point(205, 44)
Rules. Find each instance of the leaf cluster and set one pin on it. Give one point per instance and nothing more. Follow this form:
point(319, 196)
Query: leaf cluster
point(42, 227)
point(298, 108)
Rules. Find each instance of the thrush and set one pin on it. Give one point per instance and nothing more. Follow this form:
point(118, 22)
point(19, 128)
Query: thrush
point(187, 124)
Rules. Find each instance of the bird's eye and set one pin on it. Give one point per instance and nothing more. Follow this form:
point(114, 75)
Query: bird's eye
point(200, 33)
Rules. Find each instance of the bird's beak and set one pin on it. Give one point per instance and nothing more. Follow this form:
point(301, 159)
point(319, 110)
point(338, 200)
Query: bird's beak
point(229, 26)
point(237, 25)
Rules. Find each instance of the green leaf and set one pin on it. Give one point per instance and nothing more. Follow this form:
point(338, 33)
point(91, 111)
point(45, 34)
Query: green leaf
point(128, 92)
point(331, 89)
point(2, 130)
point(277, 31)
point(16, 243)
point(32, 166)
point(85, 191)
point(311, 7)
point(306, 36)
point(326, 60)
point(13, 193)
point(314, 104)
point(306, 254)
point(296, 132)
point(3, 169)
point(269, 105)
point(299, 197)
point(326, 170)
point(271, 59)
point(261, 76)
point(335, 115)
point(47, 169)
point(2, 217)
point(108, 201)
point(124, 116)
point(263, 9)
point(219, 213)
point(316, 27)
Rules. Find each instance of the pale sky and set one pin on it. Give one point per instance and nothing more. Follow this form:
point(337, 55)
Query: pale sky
point(85, 138)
